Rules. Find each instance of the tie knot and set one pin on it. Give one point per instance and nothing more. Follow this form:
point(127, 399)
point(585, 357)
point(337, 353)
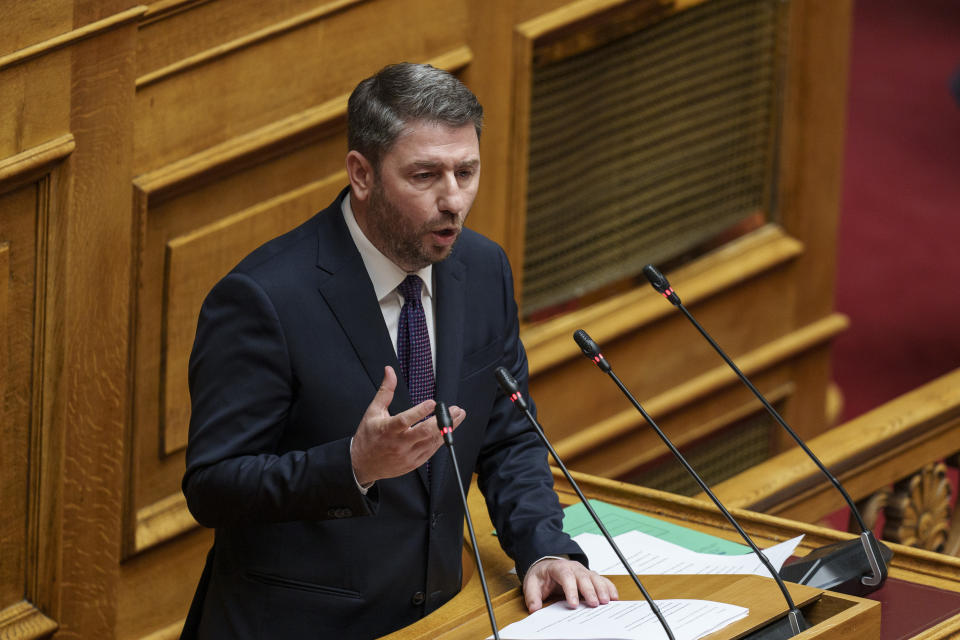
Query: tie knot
point(410, 289)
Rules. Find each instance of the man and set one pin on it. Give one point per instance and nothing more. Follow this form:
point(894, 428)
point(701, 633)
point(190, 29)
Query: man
point(316, 462)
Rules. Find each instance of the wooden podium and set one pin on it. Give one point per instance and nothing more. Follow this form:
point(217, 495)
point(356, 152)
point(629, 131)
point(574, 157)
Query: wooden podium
point(830, 614)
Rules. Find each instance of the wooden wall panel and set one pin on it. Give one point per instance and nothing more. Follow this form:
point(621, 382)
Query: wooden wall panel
point(196, 260)
point(27, 198)
point(286, 178)
point(189, 32)
point(26, 23)
point(17, 274)
point(34, 102)
point(87, 323)
point(283, 74)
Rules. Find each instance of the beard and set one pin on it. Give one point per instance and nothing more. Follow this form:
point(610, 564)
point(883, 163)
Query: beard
point(405, 243)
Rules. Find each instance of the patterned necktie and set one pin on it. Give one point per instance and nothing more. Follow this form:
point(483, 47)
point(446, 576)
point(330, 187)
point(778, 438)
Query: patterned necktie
point(413, 343)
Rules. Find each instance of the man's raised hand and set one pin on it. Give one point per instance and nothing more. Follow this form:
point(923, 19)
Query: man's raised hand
point(386, 446)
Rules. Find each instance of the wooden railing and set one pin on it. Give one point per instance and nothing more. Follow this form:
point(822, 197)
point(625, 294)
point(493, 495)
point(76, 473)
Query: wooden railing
point(893, 461)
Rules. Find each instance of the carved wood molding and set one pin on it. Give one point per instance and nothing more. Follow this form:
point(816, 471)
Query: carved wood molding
point(24, 621)
point(549, 344)
point(29, 165)
point(161, 521)
point(162, 9)
point(263, 144)
point(918, 513)
point(72, 37)
point(250, 39)
point(870, 510)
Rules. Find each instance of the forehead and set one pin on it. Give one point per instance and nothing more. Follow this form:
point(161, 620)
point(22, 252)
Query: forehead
point(433, 142)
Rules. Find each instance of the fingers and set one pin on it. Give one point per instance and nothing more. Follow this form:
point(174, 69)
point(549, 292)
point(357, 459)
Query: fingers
point(414, 415)
point(570, 578)
point(384, 396)
point(571, 589)
point(534, 601)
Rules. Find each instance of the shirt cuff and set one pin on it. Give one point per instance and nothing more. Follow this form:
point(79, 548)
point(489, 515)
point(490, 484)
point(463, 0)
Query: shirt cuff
point(363, 488)
point(560, 557)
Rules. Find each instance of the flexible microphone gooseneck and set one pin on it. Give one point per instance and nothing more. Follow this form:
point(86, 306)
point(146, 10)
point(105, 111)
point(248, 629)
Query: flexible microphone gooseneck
point(445, 424)
point(794, 616)
point(840, 566)
point(510, 387)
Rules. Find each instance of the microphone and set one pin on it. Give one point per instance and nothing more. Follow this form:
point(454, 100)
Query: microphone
point(794, 617)
point(857, 566)
point(510, 387)
point(445, 424)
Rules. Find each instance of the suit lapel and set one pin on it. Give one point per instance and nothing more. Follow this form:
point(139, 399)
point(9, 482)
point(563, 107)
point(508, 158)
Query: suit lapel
point(349, 293)
point(449, 293)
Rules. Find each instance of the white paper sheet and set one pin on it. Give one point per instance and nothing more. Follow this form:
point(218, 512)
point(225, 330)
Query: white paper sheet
point(625, 620)
point(652, 556)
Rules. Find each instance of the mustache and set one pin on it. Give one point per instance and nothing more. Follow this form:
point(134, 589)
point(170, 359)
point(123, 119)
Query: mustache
point(446, 221)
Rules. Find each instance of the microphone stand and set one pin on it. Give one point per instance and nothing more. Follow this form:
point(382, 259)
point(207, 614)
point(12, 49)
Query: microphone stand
point(445, 424)
point(794, 616)
point(510, 387)
point(857, 566)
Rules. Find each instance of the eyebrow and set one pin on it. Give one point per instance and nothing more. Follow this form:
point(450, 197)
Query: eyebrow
point(433, 164)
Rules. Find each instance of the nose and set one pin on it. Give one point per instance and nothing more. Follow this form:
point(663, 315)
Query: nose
point(451, 198)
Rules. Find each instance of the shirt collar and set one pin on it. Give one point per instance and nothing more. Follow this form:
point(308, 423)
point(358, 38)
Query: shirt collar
point(384, 273)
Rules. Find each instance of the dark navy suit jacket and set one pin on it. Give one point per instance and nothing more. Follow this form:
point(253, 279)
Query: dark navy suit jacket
point(290, 349)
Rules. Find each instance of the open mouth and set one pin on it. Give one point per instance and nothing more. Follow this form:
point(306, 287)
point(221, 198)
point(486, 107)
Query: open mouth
point(445, 236)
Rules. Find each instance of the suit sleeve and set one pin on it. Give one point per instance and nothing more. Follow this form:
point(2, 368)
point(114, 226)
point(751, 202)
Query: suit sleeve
point(241, 387)
point(513, 470)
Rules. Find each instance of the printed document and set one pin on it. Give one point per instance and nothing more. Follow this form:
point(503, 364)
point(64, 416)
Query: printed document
point(649, 555)
point(625, 620)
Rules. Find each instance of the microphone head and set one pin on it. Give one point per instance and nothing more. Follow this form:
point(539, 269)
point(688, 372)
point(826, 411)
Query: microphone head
point(444, 422)
point(661, 284)
point(443, 415)
point(590, 348)
point(506, 381)
point(657, 279)
point(510, 388)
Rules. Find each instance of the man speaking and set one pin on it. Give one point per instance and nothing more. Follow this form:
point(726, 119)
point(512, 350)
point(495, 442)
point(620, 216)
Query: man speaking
point(313, 378)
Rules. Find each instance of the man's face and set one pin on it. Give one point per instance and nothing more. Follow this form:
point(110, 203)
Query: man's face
point(426, 185)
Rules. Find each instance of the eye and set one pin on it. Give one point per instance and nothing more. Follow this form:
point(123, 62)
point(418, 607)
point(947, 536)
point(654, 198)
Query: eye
point(465, 174)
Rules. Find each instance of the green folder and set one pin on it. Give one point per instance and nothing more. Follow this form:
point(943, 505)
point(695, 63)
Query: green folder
point(617, 520)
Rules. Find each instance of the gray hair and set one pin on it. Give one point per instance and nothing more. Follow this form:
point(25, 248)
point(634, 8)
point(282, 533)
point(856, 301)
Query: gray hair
point(384, 104)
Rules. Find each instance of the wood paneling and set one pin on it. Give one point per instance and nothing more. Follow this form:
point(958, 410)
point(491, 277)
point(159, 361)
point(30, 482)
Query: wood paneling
point(26, 23)
point(204, 32)
point(19, 252)
point(24, 622)
point(196, 260)
point(35, 101)
point(278, 76)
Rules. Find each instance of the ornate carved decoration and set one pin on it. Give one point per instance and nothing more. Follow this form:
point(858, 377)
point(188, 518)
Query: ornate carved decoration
point(952, 546)
point(918, 513)
point(870, 509)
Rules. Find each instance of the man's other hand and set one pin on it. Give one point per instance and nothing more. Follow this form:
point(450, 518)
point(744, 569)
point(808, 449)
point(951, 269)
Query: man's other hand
point(553, 575)
point(388, 446)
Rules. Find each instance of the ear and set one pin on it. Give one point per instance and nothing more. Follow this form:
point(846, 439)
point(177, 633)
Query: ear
point(360, 173)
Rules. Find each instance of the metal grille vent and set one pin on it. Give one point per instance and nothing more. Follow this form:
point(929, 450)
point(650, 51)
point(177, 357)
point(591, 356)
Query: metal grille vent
point(718, 457)
point(647, 146)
